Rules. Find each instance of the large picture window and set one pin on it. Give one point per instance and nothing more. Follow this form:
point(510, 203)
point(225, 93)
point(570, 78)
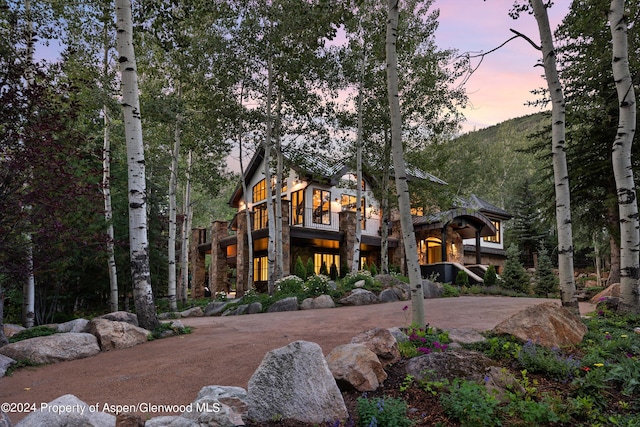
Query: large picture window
point(259, 191)
point(260, 269)
point(260, 217)
point(327, 259)
point(496, 237)
point(321, 206)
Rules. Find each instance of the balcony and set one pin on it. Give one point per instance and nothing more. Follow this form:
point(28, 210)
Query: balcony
point(315, 219)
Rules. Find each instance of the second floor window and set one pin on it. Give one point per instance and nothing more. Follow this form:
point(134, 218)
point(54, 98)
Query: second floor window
point(496, 237)
point(297, 207)
point(259, 191)
point(260, 217)
point(348, 203)
point(321, 206)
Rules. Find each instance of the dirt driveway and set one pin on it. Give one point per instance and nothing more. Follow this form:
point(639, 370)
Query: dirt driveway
point(227, 350)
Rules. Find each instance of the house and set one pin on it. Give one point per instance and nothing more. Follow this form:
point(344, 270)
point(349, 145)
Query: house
point(319, 222)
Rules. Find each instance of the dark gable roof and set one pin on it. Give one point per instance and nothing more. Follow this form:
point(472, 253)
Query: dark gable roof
point(476, 203)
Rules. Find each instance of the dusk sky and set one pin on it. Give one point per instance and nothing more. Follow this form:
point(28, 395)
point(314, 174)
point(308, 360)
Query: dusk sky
point(499, 89)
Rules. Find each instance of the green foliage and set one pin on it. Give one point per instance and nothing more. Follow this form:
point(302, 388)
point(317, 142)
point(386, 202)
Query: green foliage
point(310, 270)
point(323, 269)
point(533, 413)
point(289, 285)
point(450, 290)
point(352, 278)
point(546, 280)
point(374, 270)
point(300, 269)
point(626, 373)
point(490, 277)
point(462, 278)
point(552, 363)
point(382, 412)
point(471, 404)
point(36, 331)
point(514, 276)
point(333, 272)
point(162, 331)
point(423, 341)
point(317, 285)
point(344, 270)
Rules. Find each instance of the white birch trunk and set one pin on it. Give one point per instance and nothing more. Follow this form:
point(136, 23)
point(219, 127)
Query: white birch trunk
point(29, 288)
point(173, 188)
point(279, 255)
point(355, 266)
point(106, 185)
point(385, 211)
point(186, 230)
point(402, 187)
point(560, 173)
point(246, 200)
point(267, 177)
point(622, 169)
point(138, 240)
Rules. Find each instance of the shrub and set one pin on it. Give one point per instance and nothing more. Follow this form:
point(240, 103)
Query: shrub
point(553, 363)
point(514, 277)
point(289, 285)
point(310, 270)
point(323, 269)
point(450, 290)
point(300, 270)
point(344, 269)
point(354, 277)
point(373, 270)
point(462, 278)
point(490, 277)
point(333, 272)
point(546, 280)
point(471, 404)
point(317, 285)
point(36, 331)
point(382, 411)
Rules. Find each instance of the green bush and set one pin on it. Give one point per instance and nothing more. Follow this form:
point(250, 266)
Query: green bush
point(36, 331)
point(354, 277)
point(323, 269)
point(300, 270)
point(382, 412)
point(546, 280)
point(373, 270)
point(310, 270)
point(333, 272)
point(317, 285)
point(462, 278)
point(514, 277)
point(471, 404)
point(289, 285)
point(490, 277)
point(450, 290)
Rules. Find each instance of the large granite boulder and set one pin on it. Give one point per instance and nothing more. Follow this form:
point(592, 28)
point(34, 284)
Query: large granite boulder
point(381, 342)
point(612, 291)
point(354, 366)
point(53, 348)
point(76, 325)
point(4, 420)
point(192, 312)
point(449, 365)
point(432, 289)
point(465, 336)
point(294, 382)
point(114, 335)
point(215, 308)
point(359, 297)
point(5, 363)
point(388, 295)
point(547, 324)
point(121, 316)
point(322, 301)
point(68, 411)
point(10, 329)
point(285, 304)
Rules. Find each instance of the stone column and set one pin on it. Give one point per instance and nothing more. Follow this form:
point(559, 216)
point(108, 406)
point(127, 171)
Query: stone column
point(218, 266)
point(347, 224)
point(198, 271)
point(397, 255)
point(242, 257)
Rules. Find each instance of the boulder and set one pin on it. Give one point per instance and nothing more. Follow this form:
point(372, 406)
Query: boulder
point(254, 308)
point(5, 363)
point(354, 366)
point(192, 312)
point(169, 315)
point(10, 329)
point(285, 304)
point(359, 284)
point(388, 295)
point(234, 397)
point(465, 336)
point(114, 335)
point(177, 328)
point(499, 382)
point(398, 334)
point(381, 342)
point(546, 324)
point(125, 419)
point(67, 411)
point(432, 289)
point(214, 308)
point(323, 301)
point(121, 316)
point(612, 291)
point(403, 290)
point(53, 348)
point(294, 382)
point(76, 325)
point(359, 297)
point(209, 411)
point(449, 365)
point(4, 420)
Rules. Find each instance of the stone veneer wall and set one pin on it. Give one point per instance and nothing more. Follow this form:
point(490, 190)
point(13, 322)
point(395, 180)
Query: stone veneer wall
point(347, 224)
point(242, 257)
point(218, 266)
point(197, 262)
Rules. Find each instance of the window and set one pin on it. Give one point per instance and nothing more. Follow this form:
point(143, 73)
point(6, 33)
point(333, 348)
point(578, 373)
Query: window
point(419, 211)
point(260, 217)
point(259, 191)
point(430, 250)
point(495, 238)
point(327, 259)
point(260, 269)
point(348, 203)
point(321, 206)
point(297, 207)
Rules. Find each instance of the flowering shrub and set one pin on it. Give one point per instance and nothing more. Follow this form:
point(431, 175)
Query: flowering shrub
point(353, 277)
point(317, 285)
point(423, 341)
point(289, 285)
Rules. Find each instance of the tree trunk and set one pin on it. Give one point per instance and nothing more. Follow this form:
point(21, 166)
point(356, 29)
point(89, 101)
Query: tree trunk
point(355, 266)
point(614, 264)
point(173, 187)
point(267, 177)
point(560, 173)
point(402, 187)
point(3, 338)
point(186, 230)
point(138, 240)
point(279, 255)
point(385, 211)
point(622, 169)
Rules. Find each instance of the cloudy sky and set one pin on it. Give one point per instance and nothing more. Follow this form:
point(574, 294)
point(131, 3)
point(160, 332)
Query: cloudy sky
point(501, 86)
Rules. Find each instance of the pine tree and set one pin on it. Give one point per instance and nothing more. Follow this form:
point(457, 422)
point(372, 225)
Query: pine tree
point(490, 277)
point(546, 280)
point(514, 277)
point(300, 269)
